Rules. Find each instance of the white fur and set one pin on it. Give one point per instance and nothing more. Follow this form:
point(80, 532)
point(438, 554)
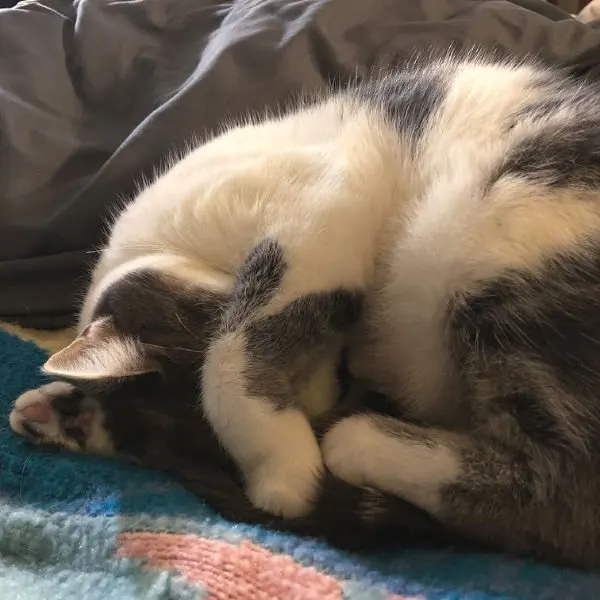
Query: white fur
point(358, 452)
point(458, 233)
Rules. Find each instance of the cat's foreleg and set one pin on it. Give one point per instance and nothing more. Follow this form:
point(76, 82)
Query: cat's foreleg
point(284, 314)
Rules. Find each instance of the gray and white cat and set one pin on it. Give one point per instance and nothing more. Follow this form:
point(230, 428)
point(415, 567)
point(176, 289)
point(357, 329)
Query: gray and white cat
point(443, 224)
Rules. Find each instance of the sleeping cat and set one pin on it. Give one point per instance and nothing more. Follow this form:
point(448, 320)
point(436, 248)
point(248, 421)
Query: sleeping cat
point(443, 224)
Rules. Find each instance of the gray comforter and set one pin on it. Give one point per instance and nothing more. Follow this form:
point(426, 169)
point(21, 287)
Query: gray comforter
point(93, 93)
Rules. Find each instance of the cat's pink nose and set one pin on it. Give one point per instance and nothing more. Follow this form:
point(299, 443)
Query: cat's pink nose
point(37, 413)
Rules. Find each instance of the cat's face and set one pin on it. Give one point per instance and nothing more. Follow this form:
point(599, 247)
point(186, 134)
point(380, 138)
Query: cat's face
point(146, 327)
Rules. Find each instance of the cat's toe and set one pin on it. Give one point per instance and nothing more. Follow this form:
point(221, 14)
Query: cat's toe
point(33, 415)
point(58, 414)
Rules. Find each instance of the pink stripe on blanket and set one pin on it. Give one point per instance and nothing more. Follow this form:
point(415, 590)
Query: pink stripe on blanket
point(228, 571)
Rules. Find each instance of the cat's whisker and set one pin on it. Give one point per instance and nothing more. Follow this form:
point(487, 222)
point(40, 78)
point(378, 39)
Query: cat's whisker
point(183, 324)
point(174, 348)
point(142, 247)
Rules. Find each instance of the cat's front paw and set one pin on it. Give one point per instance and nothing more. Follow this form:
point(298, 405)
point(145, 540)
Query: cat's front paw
point(57, 414)
point(284, 489)
point(346, 449)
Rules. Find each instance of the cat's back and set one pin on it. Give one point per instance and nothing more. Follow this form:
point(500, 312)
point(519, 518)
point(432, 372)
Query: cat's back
point(510, 189)
point(508, 155)
point(388, 136)
point(376, 144)
point(472, 108)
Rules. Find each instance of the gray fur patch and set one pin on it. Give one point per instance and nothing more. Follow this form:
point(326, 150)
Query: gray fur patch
point(409, 99)
point(564, 150)
point(281, 346)
point(532, 343)
point(257, 281)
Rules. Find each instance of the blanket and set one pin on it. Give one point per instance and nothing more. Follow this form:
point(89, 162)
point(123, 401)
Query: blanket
point(77, 527)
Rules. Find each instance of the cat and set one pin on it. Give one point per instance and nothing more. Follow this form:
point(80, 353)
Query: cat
point(442, 224)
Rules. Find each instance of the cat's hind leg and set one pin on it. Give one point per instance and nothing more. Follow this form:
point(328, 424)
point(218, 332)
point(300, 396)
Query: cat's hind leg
point(529, 499)
point(413, 462)
point(286, 315)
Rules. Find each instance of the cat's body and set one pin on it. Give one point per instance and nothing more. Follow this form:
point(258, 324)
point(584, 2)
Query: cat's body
point(444, 224)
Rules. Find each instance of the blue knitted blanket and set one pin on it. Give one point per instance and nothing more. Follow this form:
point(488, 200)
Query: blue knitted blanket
point(76, 527)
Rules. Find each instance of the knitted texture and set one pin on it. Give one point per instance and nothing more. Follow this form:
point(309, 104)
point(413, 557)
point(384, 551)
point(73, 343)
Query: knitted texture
point(77, 527)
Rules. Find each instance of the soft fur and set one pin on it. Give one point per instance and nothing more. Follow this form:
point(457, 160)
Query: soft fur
point(443, 224)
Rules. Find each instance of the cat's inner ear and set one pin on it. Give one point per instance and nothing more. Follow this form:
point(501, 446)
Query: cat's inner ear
point(101, 352)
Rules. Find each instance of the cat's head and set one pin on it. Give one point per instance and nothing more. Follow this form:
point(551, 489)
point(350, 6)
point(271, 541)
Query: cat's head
point(146, 326)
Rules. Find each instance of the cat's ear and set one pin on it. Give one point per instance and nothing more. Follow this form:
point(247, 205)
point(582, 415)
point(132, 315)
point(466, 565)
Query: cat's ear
point(101, 352)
